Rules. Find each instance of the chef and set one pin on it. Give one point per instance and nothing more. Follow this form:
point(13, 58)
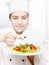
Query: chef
point(19, 16)
point(20, 32)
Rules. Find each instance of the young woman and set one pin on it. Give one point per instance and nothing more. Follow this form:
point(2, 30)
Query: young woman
point(19, 17)
point(21, 29)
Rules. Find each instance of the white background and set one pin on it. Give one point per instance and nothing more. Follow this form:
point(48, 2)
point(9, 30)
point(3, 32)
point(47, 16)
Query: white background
point(48, 15)
point(37, 12)
point(48, 22)
point(3, 14)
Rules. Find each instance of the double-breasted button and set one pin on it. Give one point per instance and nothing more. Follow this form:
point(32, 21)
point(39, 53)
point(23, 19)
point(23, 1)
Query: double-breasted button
point(10, 59)
point(24, 36)
point(23, 60)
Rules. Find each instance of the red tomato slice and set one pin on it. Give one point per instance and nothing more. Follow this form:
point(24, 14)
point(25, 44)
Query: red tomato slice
point(33, 47)
point(17, 49)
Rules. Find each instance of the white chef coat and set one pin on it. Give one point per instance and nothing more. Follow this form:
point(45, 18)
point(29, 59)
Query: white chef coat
point(31, 36)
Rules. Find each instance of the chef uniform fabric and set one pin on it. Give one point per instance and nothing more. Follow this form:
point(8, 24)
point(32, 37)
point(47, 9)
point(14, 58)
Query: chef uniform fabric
point(9, 59)
point(42, 59)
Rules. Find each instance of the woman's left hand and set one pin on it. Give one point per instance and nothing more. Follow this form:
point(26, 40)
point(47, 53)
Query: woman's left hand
point(31, 59)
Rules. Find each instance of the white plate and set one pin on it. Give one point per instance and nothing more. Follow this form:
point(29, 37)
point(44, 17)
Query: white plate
point(24, 54)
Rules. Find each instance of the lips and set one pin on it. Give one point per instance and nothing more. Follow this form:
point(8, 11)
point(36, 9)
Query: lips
point(19, 26)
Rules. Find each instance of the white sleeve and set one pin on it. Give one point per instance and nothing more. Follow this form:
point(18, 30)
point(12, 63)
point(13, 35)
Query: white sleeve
point(1, 53)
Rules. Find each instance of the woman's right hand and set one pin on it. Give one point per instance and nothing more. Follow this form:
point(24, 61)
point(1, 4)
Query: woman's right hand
point(9, 38)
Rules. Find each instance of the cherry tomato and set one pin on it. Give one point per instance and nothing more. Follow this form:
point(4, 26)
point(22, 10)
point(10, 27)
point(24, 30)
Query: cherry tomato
point(17, 49)
point(33, 47)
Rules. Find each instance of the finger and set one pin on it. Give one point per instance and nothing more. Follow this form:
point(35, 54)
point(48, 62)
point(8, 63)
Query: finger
point(11, 38)
point(8, 41)
point(10, 34)
point(19, 37)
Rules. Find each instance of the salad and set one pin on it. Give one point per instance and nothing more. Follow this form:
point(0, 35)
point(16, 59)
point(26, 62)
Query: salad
point(26, 48)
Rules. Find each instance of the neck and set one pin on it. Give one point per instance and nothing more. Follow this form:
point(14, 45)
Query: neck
point(19, 32)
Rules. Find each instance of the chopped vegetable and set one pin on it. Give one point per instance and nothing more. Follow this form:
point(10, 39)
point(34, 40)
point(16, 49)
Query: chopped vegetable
point(17, 49)
point(26, 48)
point(33, 47)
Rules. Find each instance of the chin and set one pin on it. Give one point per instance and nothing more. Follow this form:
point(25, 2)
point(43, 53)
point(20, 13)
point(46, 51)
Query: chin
point(19, 31)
